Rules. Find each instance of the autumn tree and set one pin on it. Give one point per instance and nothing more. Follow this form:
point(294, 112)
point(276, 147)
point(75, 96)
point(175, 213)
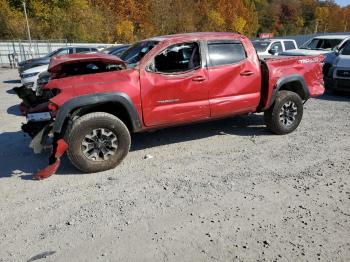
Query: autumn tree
point(125, 21)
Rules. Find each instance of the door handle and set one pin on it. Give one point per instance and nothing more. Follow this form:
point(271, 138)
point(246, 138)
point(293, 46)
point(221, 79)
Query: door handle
point(247, 73)
point(198, 78)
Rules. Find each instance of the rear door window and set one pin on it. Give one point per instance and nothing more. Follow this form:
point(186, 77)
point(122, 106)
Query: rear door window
point(289, 45)
point(225, 52)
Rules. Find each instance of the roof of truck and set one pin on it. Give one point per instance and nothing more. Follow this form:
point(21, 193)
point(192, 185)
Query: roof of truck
point(197, 35)
point(272, 39)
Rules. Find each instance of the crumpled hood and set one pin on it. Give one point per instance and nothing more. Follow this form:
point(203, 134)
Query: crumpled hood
point(57, 62)
point(342, 61)
point(304, 52)
point(116, 81)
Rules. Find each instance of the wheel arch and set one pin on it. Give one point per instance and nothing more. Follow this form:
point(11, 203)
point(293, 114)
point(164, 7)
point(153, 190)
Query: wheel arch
point(295, 83)
point(116, 103)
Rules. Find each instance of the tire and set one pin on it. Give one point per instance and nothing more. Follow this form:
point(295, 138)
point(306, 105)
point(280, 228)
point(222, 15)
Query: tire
point(94, 134)
point(284, 121)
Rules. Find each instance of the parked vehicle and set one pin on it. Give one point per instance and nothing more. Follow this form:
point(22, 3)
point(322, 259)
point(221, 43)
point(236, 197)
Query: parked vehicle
point(271, 47)
point(337, 69)
point(30, 76)
point(93, 102)
point(319, 45)
point(116, 50)
point(45, 60)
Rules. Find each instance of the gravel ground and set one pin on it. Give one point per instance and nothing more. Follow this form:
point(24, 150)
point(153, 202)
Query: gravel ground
point(221, 191)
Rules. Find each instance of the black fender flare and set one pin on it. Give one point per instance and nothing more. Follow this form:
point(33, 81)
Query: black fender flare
point(95, 99)
point(288, 79)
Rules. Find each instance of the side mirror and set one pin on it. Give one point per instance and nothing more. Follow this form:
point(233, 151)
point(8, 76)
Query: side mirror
point(273, 51)
point(336, 51)
point(151, 67)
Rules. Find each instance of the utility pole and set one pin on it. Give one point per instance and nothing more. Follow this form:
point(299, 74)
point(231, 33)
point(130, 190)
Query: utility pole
point(316, 27)
point(28, 30)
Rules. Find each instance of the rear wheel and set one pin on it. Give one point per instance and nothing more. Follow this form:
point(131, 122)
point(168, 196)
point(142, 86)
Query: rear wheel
point(285, 115)
point(97, 142)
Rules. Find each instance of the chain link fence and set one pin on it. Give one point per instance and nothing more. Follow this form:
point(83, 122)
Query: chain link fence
point(14, 51)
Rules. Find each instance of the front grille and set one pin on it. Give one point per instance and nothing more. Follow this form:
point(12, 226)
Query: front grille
point(343, 73)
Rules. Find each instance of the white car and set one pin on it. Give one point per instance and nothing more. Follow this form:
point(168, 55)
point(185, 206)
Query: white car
point(271, 47)
point(29, 77)
point(319, 45)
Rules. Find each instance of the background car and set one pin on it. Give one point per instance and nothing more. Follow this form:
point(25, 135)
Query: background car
point(29, 77)
point(116, 50)
point(24, 65)
point(269, 47)
point(318, 45)
point(337, 68)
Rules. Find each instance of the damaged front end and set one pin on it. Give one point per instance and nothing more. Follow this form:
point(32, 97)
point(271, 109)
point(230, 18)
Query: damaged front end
point(39, 126)
point(40, 114)
point(42, 105)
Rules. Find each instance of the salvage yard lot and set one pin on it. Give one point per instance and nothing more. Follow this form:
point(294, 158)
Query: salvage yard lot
point(220, 191)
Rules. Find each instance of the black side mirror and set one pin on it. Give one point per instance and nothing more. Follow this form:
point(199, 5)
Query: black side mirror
point(273, 51)
point(336, 51)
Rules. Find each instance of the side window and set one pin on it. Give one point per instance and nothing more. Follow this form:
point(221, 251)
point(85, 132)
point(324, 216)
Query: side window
point(225, 53)
point(63, 52)
point(178, 58)
point(289, 45)
point(82, 50)
point(277, 47)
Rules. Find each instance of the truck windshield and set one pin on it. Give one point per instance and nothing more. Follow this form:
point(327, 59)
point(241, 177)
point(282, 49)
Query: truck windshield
point(321, 44)
point(137, 51)
point(261, 46)
point(346, 49)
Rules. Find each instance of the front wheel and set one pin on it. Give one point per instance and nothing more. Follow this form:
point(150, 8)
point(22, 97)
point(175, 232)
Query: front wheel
point(285, 115)
point(97, 142)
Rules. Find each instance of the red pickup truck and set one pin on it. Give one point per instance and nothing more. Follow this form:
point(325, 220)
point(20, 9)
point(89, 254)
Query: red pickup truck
point(93, 101)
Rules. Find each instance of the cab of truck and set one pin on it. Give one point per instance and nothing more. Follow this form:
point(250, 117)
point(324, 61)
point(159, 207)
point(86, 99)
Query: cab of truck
point(273, 47)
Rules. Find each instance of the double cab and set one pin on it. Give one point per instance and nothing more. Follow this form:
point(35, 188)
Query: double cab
point(92, 102)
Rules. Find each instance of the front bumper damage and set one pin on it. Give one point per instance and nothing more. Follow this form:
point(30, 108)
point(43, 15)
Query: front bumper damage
point(39, 128)
point(59, 148)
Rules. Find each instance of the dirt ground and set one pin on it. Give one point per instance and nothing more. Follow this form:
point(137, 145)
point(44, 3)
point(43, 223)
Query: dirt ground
point(222, 191)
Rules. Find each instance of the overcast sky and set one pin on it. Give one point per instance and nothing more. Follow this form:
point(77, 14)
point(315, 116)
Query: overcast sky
point(343, 2)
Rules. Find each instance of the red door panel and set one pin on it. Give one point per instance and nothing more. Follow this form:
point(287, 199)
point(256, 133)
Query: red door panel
point(234, 88)
point(174, 98)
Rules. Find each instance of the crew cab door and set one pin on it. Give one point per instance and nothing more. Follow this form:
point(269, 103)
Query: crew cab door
point(234, 78)
point(174, 86)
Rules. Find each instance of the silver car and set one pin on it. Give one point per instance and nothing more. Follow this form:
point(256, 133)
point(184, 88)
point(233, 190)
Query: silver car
point(337, 68)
